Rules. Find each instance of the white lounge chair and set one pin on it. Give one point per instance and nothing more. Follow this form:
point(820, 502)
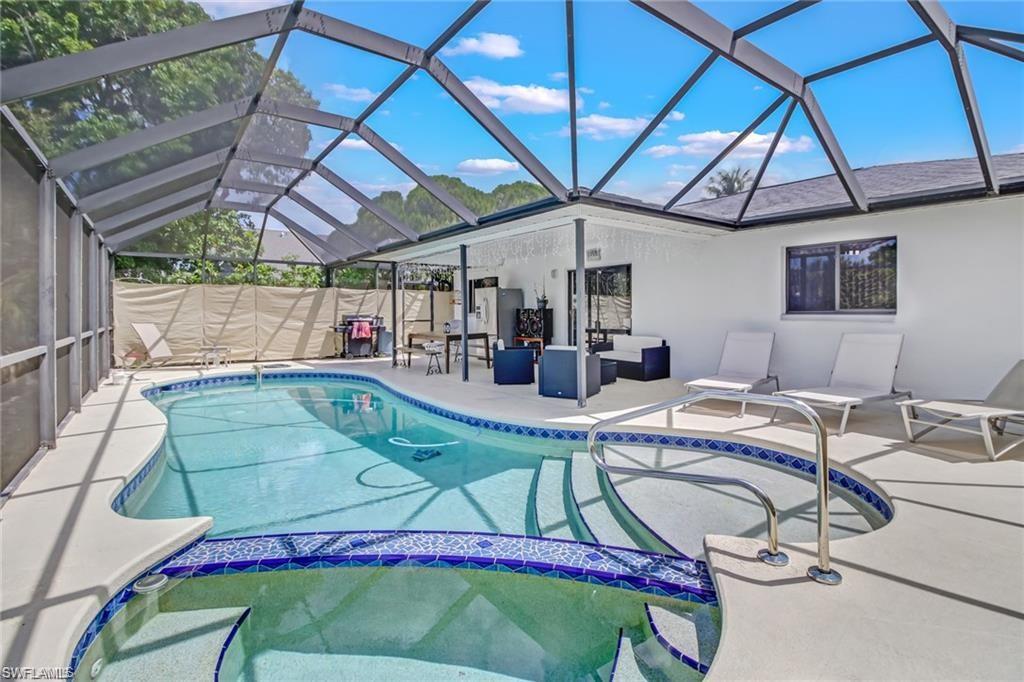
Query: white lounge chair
point(1003, 406)
point(743, 366)
point(157, 350)
point(864, 371)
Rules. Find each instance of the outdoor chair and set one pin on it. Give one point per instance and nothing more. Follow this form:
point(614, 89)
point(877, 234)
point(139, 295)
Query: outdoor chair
point(157, 351)
point(643, 358)
point(556, 373)
point(864, 371)
point(513, 365)
point(743, 366)
point(1003, 406)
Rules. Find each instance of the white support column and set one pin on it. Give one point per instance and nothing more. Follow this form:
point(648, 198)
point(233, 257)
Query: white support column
point(47, 214)
point(581, 343)
point(94, 310)
point(75, 312)
point(464, 341)
point(105, 311)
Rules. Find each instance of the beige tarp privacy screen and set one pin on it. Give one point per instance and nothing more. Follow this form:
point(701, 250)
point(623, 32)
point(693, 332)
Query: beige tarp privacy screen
point(264, 323)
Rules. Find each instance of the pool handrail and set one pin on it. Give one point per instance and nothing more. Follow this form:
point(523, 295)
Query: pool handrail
point(823, 571)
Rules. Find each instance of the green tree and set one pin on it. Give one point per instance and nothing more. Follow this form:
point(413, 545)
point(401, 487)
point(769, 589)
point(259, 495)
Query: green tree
point(726, 182)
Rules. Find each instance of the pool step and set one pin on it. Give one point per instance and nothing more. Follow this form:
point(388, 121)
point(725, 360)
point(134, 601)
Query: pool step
point(624, 668)
point(556, 515)
point(605, 515)
point(172, 645)
point(691, 638)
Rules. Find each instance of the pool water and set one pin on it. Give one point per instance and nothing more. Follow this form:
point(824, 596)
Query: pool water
point(393, 624)
point(299, 456)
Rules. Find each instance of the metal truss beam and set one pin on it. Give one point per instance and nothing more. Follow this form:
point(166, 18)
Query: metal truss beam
point(716, 36)
point(329, 219)
point(736, 142)
point(778, 15)
point(833, 150)
point(362, 38)
point(996, 34)
point(97, 154)
point(294, 10)
point(245, 207)
point(32, 80)
point(271, 159)
point(653, 124)
point(385, 149)
point(253, 186)
point(393, 87)
point(767, 159)
point(120, 240)
point(994, 46)
point(154, 208)
point(385, 216)
point(300, 231)
point(297, 112)
point(938, 22)
point(570, 49)
point(461, 93)
point(868, 58)
point(127, 190)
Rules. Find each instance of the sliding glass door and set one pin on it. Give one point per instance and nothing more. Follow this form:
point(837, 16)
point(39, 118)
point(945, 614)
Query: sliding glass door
point(608, 302)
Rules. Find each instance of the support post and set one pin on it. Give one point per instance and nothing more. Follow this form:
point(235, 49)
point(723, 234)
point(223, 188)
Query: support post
point(394, 315)
point(75, 311)
point(94, 310)
point(464, 283)
point(581, 288)
point(47, 213)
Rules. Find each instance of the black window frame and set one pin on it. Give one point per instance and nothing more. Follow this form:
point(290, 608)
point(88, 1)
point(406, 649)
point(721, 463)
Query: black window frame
point(837, 278)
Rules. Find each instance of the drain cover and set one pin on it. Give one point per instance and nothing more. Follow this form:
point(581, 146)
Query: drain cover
point(150, 583)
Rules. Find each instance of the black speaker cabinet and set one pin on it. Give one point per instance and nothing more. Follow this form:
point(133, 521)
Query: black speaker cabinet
point(535, 322)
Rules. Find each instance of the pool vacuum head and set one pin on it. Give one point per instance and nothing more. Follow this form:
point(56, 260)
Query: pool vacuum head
point(425, 454)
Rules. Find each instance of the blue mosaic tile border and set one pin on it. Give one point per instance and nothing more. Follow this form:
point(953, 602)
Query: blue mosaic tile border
point(137, 480)
point(113, 607)
point(800, 465)
point(227, 643)
point(647, 572)
point(675, 653)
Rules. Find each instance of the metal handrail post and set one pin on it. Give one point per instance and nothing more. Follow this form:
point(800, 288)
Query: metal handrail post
point(822, 572)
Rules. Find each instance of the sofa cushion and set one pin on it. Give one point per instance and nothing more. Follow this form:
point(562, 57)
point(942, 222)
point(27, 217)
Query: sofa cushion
point(554, 347)
point(623, 342)
point(622, 355)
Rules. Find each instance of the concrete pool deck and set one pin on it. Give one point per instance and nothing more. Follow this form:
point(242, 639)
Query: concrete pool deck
point(937, 593)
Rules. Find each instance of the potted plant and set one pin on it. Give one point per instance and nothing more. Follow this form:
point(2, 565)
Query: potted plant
point(542, 297)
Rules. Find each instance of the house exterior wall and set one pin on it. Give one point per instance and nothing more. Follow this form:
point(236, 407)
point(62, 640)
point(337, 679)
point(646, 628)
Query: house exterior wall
point(960, 292)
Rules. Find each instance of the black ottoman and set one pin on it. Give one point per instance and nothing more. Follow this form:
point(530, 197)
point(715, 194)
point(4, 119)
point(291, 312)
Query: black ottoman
point(609, 372)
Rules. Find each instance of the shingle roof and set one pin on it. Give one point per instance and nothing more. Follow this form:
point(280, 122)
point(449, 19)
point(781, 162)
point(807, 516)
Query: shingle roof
point(890, 181)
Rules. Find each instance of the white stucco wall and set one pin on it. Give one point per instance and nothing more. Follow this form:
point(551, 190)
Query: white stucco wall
point(961, 292)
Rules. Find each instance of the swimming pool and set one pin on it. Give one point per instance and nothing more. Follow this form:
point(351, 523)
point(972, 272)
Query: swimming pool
point(549, 572)
point(309, 453)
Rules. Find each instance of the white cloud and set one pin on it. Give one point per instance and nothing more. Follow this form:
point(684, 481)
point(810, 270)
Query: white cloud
point(675, 169)
point(218, 9)
point(492, 45)
point(604, 105)
point(558, 76)
point(600, 127)
point(523, 99)
point(585, 90)
point(711, 142)
point(486, 166)
point(676, 116)
point(342, 91)
point(360, 144)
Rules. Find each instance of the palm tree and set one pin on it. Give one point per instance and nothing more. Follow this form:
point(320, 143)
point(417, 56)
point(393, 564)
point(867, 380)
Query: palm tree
point(726, 182)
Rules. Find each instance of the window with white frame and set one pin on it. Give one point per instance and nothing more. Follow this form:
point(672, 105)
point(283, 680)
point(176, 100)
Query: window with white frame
point(848, 277)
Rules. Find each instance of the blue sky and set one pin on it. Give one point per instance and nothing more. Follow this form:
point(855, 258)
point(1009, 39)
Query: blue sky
point(629, 63)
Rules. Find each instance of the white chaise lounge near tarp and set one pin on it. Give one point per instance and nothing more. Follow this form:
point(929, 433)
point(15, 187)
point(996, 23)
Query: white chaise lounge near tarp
point(1003, 406)
point(864, 371)
point(743, 366)
point(157, 350)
